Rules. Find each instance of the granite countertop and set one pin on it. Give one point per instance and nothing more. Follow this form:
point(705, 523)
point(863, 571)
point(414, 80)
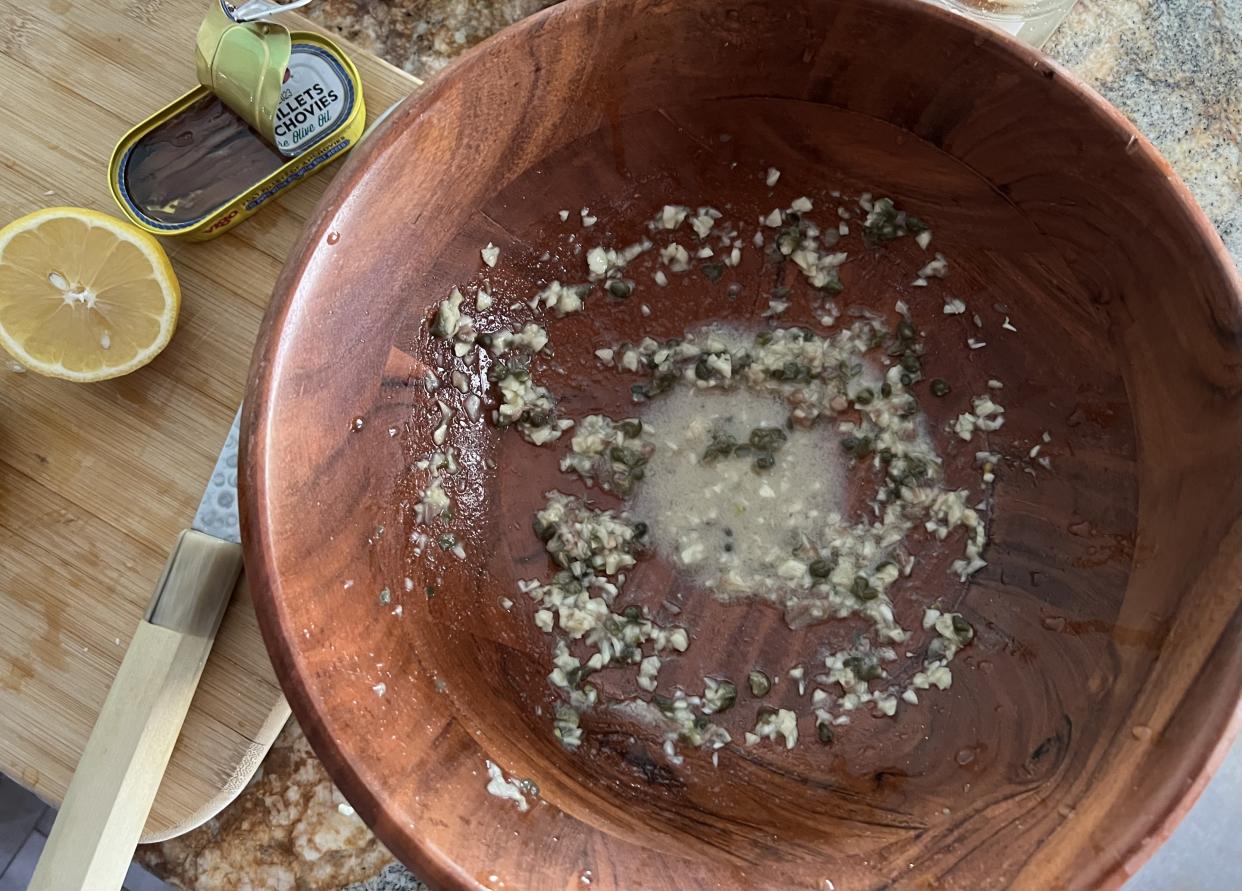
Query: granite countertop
point(1173, 66)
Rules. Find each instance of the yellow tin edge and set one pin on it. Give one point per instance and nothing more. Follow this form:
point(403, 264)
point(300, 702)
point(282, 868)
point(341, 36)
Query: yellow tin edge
point(287, 176)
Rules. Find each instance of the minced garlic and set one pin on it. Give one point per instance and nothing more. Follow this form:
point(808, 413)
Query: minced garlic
point(739, 418)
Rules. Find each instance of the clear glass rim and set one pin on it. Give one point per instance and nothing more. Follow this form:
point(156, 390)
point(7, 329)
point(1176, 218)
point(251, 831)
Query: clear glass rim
point(1021, 9)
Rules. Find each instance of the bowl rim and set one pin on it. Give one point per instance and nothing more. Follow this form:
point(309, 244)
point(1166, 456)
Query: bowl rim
point(432, 865)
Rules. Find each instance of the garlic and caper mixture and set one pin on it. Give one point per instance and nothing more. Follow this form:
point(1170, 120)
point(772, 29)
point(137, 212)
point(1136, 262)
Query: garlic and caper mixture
point(784, 464)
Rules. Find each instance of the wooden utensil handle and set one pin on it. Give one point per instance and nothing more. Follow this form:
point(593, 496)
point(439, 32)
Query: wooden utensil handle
point(106, 805)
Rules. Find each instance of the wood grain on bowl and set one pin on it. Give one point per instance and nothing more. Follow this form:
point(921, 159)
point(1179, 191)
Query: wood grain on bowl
point(1107, 666)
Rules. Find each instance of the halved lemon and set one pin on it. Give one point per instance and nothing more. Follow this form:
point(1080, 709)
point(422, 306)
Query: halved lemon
point(84, 296)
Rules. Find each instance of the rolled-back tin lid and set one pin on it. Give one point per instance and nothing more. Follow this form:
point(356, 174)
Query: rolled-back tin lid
point(243, 59)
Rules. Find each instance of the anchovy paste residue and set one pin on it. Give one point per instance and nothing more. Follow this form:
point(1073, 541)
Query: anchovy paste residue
point(197, 162)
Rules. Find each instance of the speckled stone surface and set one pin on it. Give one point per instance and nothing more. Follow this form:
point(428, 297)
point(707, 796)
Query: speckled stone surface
point(1173, 66)
point(421, 36)
point(290, 830)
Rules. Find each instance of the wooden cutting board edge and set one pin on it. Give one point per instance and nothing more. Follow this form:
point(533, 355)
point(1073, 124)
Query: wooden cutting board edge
point(371, 68)
point(239, 708)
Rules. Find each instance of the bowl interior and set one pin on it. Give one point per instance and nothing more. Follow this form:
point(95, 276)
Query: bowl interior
point(1077, 720)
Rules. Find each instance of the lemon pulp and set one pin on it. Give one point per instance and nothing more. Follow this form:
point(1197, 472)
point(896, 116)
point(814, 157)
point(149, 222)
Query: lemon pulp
point(84, 296)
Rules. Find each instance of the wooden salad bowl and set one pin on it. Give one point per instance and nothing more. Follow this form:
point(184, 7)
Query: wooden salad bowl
point(1103, 683)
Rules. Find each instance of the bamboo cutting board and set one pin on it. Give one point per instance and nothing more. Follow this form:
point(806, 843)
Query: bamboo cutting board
point(96, 480)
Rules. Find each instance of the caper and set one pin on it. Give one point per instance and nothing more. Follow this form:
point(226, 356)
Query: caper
point(858, 586)
point(620, 289)
point(767, 437)
point(640, 529)
point(871, 670)
point(850, 444)
point(713, 271)
point(962, 628)
point(721, 446)
point(640, 392)
point(765, 461)
point(823, 732)
point(940, 387)
point(702, 370)
point(545, 532)
point(910, 362)
point(632, 428)
point(865, 667)
point(726, 696)
point(633, 612)
point(886, 389)
point(759, 682)
point(763, 338)
point(864, 396)
point(905, 330)
point(821, 568)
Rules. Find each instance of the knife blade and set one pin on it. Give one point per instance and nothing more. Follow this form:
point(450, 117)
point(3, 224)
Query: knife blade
point(217, 510)
point(214, 543)
point(119, 773)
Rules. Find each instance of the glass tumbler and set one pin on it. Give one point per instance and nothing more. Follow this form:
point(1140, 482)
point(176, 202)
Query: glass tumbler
point(1031, 21)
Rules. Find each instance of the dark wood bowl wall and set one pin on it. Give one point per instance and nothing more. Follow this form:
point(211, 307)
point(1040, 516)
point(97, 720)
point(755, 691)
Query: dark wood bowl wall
point(1107, 665)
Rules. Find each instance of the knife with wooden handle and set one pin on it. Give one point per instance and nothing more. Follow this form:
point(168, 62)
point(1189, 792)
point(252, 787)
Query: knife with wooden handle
point(110, 796)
